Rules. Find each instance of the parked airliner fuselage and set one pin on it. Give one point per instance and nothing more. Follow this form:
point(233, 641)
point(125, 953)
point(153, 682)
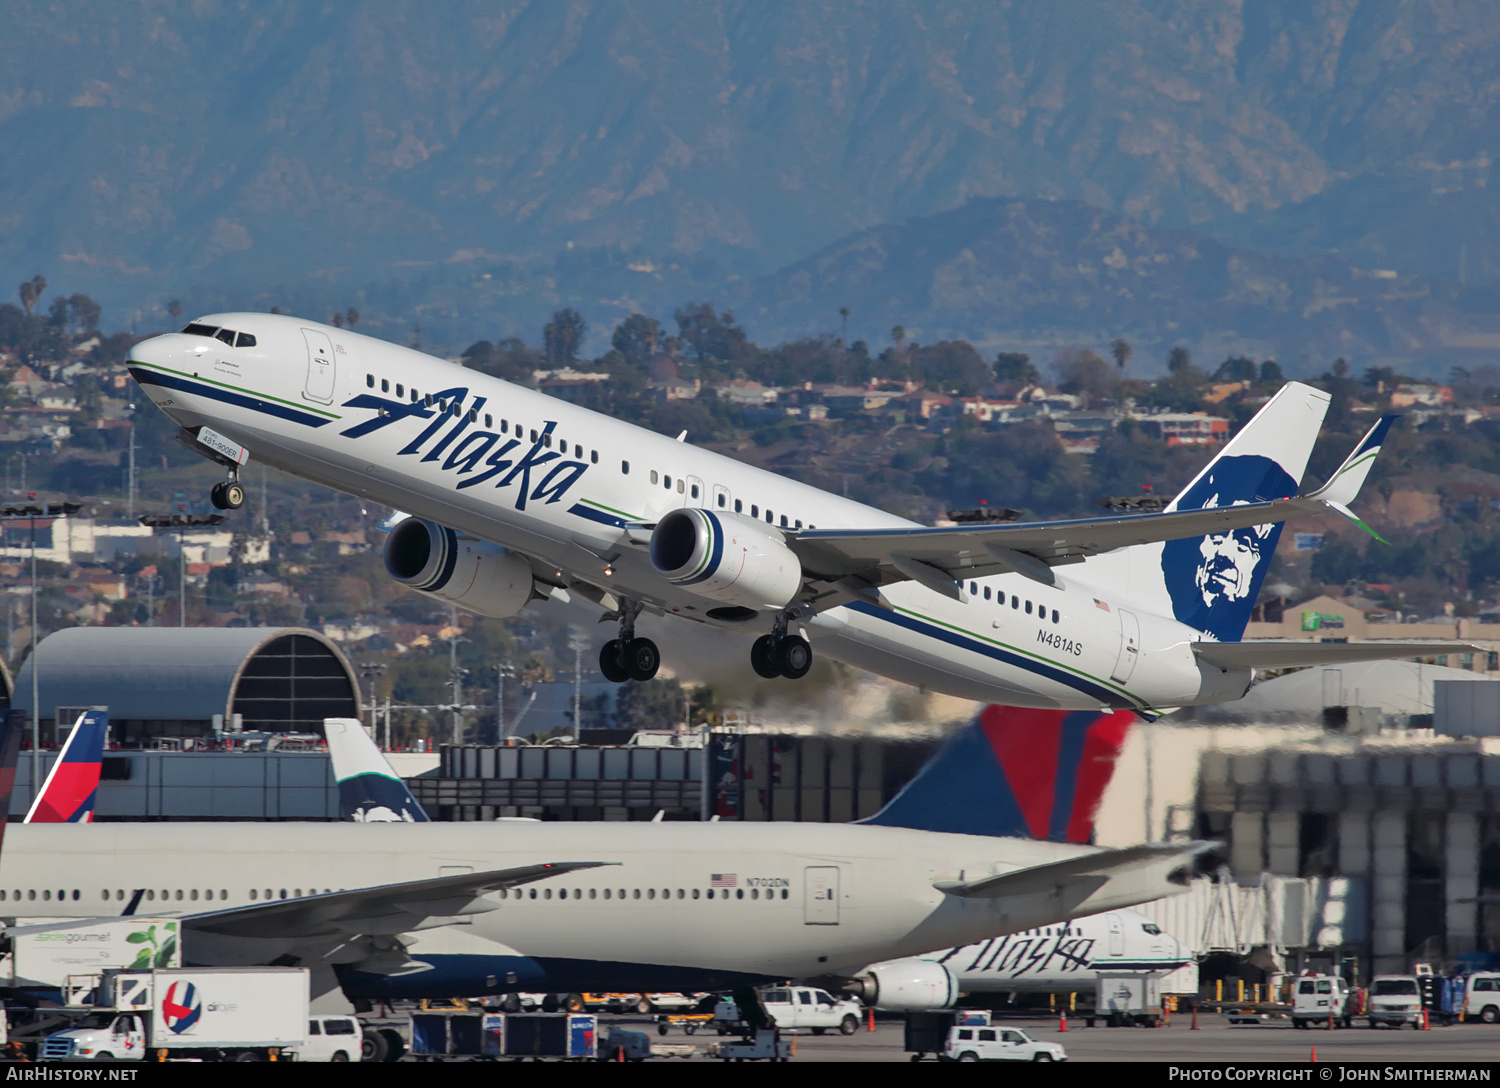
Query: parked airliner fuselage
point(708, 905)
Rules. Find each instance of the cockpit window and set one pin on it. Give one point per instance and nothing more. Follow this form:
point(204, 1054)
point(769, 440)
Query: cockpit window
point(200, 330)
point(244, 340)
point(1151, 928)
point(226, 335)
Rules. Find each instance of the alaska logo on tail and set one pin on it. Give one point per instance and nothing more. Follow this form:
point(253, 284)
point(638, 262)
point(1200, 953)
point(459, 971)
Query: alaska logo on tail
point(1211, 582)
point(369, 791)
point(72, 787)
point(1015, 772)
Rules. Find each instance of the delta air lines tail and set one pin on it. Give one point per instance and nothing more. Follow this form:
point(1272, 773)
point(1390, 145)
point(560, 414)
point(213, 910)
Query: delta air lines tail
point(1016, 772)
point(72, 787)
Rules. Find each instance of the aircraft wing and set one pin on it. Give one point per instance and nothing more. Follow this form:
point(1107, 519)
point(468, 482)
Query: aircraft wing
point(941, 557)
point(1290, 654)
point(1088, 872)
point(858, 561)
point(380, 910)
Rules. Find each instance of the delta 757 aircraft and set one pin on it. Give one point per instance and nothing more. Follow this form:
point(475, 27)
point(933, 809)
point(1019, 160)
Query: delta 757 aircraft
point(425, 909)
point(515, 496)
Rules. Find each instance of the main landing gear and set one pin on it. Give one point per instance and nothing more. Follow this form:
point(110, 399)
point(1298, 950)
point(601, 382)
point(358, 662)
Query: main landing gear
point(781, 654)
point(229, 495)
point(628, 657)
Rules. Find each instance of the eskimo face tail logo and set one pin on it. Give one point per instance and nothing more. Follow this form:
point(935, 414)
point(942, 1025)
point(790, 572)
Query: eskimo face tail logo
point(1213, 580)
point(181, 1008)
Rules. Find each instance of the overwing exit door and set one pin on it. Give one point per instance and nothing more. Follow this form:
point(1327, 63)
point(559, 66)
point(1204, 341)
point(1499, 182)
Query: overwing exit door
point(820, 895)
point(320, 366)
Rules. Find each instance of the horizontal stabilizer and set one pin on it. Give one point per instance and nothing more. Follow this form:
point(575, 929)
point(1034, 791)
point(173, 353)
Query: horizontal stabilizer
point(1087, 872)
point(1289, 654)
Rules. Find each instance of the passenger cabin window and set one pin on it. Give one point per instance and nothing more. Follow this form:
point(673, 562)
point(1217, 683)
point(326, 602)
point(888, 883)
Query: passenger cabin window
point(721, 500)
point(679, 485)
point(739, 506)
point(593, 457)
point(385, 385)
point(489, 420)
point(624, 468)
point(369, 381)
point(400, 392)
point(654, 476)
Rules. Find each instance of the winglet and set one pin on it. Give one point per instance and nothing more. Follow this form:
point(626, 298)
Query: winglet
point(1343, 487)
point(369, 790)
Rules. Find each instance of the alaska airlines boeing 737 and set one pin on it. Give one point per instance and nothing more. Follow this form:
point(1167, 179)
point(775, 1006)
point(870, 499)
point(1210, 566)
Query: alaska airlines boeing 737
point(516, 497)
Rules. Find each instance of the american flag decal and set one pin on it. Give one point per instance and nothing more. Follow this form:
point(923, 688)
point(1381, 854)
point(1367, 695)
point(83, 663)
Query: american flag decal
point(1100, 604)
point(722, 880)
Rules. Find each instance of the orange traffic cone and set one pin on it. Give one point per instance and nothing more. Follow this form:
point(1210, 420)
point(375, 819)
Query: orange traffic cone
point(1426, 1023)
point(870, 1018)
point(1195, 1018)
point(1315, 1054)
point(1062, 1024)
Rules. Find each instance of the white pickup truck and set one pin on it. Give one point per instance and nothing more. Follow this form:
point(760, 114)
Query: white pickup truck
point(796, 1008)
point(803, 1007)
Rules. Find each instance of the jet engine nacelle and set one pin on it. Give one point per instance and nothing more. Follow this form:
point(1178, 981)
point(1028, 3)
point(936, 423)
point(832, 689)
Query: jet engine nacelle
point(473, 574)
point(906, 986)
point(726, 558)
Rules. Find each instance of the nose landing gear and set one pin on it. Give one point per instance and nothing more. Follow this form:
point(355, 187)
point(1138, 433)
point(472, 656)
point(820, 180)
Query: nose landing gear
point(628, 657)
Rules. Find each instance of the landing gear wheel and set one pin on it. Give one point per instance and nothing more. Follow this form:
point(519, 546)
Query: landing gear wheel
point(763, 657)
point(794, 656)
point(612, 662)
point(229, 495)
point(642, 659)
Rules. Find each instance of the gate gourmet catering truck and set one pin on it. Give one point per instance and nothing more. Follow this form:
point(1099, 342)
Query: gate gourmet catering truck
point(245, 1014)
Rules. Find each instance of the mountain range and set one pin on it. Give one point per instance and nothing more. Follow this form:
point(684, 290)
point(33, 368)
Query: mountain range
point(477, 162)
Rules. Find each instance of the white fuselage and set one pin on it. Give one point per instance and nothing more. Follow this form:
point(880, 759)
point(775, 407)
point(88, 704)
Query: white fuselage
point(558, 483)
point(1065, 956)
point(694, 905)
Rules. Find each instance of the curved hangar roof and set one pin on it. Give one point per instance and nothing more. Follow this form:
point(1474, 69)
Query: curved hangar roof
point(278, 678)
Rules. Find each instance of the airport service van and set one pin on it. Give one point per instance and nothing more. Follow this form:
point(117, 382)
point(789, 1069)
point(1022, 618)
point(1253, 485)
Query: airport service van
point(211, 1014)
point(331, 1039)
point(1321, 999)
point(1394, 1000)
point(1482, 998)
point(996, 1044)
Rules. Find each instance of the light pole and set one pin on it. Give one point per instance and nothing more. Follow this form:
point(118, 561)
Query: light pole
point(30, 512)
point(502, 673)
point(180, 522)
point(370, 670)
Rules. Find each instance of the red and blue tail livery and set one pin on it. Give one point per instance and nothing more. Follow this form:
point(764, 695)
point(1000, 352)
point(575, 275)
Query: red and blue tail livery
point(72, 785)
point(1016, 772)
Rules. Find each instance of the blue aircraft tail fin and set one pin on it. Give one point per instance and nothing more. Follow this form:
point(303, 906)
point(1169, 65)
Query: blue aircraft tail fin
point(1015, 772)
point(369, 791)
point(1211, 582)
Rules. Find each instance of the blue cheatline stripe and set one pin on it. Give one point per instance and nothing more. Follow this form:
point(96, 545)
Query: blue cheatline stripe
point(1105, 964)
point(1075, 728)
point(716, 534)
point(596, 515)
point(239, 400)
point(921, 627)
